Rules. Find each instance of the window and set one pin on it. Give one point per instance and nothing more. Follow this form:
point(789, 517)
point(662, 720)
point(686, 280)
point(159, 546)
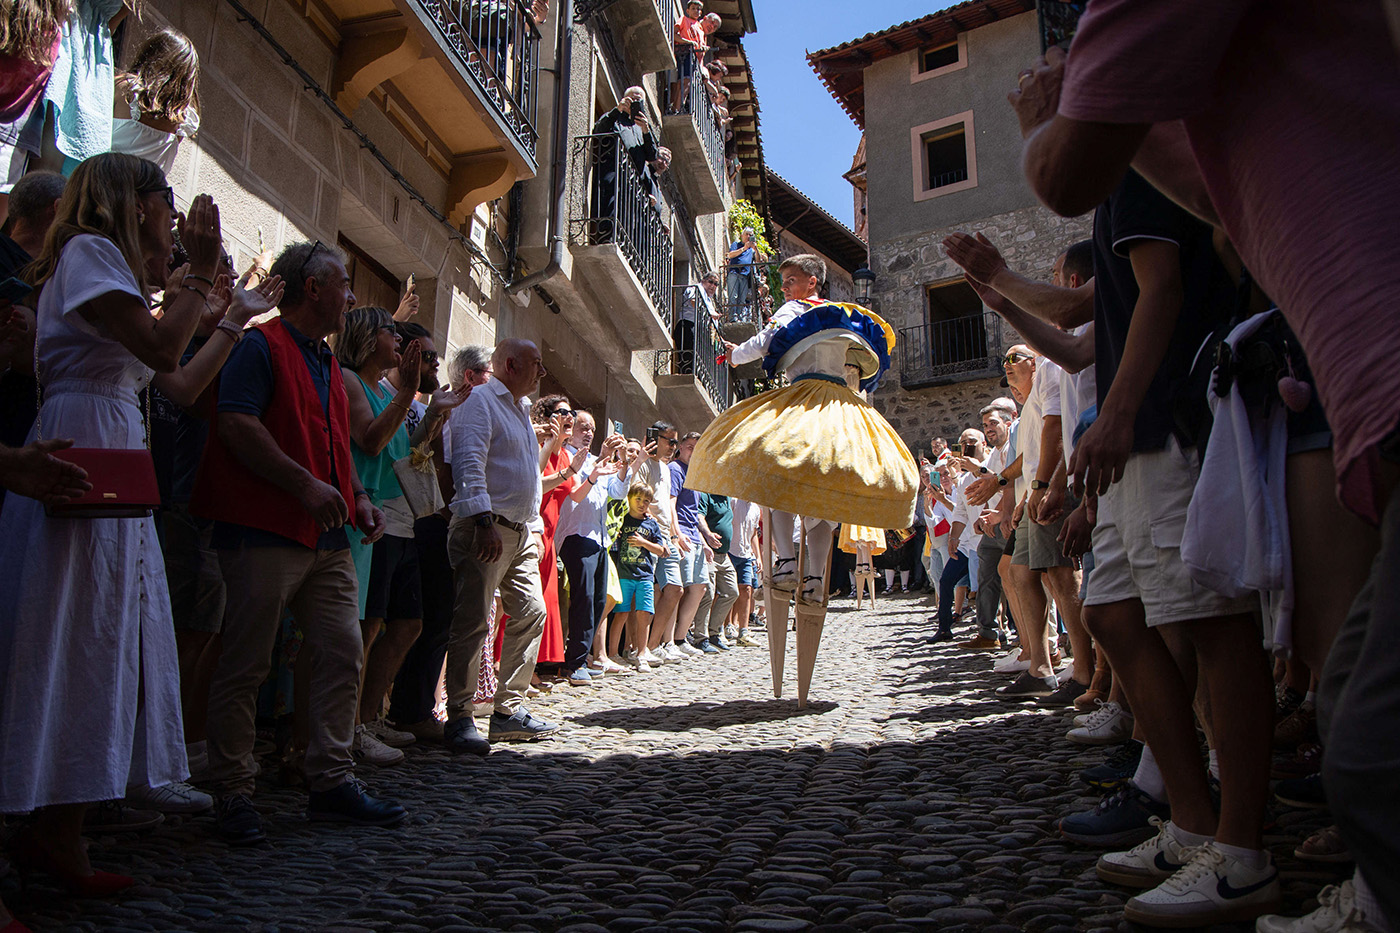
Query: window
point(938, 59)
point(944, 156)
point(955, 343)
point(941, 57)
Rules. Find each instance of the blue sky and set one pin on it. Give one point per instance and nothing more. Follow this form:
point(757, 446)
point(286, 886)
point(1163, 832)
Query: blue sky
point(807, 137)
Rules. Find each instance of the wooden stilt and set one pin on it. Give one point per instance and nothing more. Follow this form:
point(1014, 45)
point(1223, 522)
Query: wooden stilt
point(777, 602)
point(810, 617)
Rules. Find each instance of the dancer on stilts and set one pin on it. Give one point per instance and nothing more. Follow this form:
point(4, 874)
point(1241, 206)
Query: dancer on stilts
point(814, 453)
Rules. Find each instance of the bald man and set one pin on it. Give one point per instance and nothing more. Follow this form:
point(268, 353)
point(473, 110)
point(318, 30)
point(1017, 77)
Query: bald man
point(494, 543)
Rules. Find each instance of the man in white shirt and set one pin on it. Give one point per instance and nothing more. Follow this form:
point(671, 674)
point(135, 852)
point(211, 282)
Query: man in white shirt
point(494, 543)
point(963, 540)
point(998, 419)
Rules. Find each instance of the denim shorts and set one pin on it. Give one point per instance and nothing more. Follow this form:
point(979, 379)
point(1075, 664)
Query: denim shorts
point(693, 570)
point(746, 568)
point(668, 568)
point(637, 595)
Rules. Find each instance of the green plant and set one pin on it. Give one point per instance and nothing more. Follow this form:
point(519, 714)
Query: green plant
point(743, 214)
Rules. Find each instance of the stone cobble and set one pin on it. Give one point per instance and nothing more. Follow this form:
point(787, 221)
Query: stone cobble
point(687, 799)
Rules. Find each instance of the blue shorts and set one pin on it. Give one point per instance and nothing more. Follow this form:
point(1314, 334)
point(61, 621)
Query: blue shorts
point(693, 572)
point(637, 595)
point(668, 568)
point(746, 568)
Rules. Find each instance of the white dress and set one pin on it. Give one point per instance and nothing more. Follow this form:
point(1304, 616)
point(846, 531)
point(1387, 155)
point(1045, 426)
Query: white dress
point(136, 138)
point(89, 675)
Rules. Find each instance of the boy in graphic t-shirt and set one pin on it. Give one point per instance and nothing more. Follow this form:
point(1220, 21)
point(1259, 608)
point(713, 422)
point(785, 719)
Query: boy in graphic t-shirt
point(638, 543)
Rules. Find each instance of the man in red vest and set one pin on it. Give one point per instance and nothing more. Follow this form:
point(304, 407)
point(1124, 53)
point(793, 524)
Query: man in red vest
point(278, 481)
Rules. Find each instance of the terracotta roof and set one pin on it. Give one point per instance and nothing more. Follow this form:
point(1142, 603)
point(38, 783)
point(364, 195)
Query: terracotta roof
point(791, 210)
point(842, 67)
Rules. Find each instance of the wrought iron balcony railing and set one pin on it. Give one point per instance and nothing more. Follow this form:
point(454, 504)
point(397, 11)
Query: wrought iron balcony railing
point(617, 201)
point(950, 351)
point(497, 43)
point(693, 98)
point(698, 345)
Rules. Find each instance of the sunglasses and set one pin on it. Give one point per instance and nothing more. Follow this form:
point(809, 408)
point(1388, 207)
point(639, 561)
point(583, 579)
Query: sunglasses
point(167, 192)
point(563, 412)
point(1013, 358)
point(302, 268)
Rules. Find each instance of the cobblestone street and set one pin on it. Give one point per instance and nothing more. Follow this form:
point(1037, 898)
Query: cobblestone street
point(906, 798)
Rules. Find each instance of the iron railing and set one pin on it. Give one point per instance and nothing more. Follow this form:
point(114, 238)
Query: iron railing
point(943, 179)
point(497, 43)
point(698, 345)
point(949, 351)
point(621, 206)
point(745, 296)
point(694, 100)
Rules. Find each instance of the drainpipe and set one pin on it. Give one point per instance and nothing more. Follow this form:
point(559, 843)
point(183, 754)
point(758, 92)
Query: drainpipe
point(563, 62)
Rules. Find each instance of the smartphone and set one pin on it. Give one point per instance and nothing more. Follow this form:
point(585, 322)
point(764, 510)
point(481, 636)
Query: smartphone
point(408, 285)
point(617, 428)
point(1059, 20)
point(14, 288)
point(652, 435)
point(635, 108)
point(955, 449)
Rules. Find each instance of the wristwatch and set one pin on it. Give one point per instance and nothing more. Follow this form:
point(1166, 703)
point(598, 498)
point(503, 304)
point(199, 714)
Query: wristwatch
point(983, 470)
point(1039, 484)
point(1002, 480)
point(483, 519)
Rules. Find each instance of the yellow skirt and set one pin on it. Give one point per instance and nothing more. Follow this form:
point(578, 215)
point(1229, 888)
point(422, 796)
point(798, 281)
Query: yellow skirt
point(813, 448)
point(854, 535)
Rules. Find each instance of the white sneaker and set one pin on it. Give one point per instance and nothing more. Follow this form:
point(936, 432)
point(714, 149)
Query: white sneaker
point(679, 652)
point(1210, 888)
point(368, 748)
point(654, 658)
point(639, 660)
point(1147, 864)
point(731, 634)
point(1107, 725)
point(394, 738)
point(1336, 913)
point(1011, 663)
point(612, 667)
point(169, 798)
point(670, 653)
point(690, 650)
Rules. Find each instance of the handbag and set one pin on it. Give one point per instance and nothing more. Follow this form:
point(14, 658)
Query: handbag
point(123, 481)
point(418, 478)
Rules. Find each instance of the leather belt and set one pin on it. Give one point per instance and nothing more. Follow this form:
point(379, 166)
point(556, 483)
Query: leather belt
point(517, 527)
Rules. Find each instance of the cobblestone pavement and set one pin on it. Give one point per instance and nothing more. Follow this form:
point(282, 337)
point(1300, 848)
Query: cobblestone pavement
point(906, 798)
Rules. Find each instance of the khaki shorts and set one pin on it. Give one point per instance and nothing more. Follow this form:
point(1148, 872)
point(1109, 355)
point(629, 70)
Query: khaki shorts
point(1137, 542)
point(1038, 546)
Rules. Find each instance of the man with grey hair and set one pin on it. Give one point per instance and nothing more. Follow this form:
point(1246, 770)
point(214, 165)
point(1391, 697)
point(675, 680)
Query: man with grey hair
point(494, 542)
point(415, 688)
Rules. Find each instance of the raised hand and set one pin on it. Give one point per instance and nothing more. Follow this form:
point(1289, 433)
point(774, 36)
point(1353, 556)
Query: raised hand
point(976, 255)
point(992, 298)
point(410, 364)
point(201, 235)
point(445, 399)
point(247, 303)
point(173, 283)
point(1036, 98)
point(408, 306)
point(577, 462)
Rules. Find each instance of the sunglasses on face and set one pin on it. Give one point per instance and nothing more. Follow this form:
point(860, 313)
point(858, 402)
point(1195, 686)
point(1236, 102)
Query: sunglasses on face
point(563, 413)
point(1013, 358)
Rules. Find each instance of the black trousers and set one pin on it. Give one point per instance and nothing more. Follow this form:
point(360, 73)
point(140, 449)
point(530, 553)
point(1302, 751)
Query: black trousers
point(586, 563)
point(415, 688)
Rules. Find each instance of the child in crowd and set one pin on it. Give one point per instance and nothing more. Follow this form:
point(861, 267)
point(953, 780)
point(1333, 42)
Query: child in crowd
point(639, 542)
point(156, 101)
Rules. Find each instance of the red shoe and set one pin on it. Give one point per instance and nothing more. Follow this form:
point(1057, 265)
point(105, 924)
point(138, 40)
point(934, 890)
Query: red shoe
point(28, 857)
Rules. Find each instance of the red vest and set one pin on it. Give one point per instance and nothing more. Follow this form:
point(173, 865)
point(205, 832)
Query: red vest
point(227, 490)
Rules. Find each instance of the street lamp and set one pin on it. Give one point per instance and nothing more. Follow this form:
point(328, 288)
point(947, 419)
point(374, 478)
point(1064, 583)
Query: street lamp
point(864, 280)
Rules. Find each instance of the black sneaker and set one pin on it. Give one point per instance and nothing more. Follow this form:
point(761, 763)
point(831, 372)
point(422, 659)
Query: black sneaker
point(1065, 694)
point(351, 803)
point(238, 820)
point(461, 735)
point(1026, 687)
point(522, 726)
point(1304, 792)
point(1120, 765)
point(943, 634)
point(1121, 820)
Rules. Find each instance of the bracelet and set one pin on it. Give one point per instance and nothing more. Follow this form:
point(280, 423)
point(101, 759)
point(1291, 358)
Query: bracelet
point(394, 401)
point(230, 328)
point(359, 493)
point(198, 278)
point(204, 295)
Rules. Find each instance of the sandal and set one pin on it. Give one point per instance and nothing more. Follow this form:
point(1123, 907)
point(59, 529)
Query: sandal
point(1325, 845)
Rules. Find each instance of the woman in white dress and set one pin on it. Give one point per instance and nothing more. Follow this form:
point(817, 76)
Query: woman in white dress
point(89, 694)
point(156, 102)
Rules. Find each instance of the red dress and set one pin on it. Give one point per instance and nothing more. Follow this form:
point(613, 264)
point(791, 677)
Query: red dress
point(552, 643)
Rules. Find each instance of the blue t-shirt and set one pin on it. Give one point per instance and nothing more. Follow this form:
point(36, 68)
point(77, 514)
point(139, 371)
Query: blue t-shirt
point(633, 561)
point(245, 388)
point(744, 261)
point(687, 513)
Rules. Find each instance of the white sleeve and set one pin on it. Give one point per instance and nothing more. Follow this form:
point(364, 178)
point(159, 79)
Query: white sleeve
point(1048, 377)
point(91, 266)
point(471, 438)
point(757, 346)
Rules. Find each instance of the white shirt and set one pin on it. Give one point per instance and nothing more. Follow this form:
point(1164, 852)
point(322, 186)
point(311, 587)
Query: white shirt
point(996, 462)
point(658, 477)
point(967, 514)
point(1078, 393)
point(495, 457)
point(827, 356)
point(746, 515)
point(587, 519)
point(1043, 402)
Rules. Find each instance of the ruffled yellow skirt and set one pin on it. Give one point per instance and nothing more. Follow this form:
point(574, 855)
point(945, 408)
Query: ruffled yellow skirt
point(852, 536)
point(814, 449)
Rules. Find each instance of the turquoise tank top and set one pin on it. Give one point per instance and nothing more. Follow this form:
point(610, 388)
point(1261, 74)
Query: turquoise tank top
point(377, 472)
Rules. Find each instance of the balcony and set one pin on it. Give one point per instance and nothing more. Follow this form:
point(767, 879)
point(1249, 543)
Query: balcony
point(693, 134)
point(464, 73)
point(647, 28)
point(944, 352)
point(620, 244)
point(691, 383)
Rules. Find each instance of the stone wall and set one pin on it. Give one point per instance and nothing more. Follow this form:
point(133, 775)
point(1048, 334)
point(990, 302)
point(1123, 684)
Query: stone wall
point(1030, 239)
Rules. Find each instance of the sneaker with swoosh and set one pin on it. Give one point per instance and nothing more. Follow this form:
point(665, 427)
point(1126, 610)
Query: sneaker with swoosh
point(1146, 864)
point(1210, 888)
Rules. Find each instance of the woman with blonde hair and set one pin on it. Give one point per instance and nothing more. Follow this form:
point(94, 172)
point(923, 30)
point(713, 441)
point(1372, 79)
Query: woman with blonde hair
point(157, 99)
point(89, 690)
